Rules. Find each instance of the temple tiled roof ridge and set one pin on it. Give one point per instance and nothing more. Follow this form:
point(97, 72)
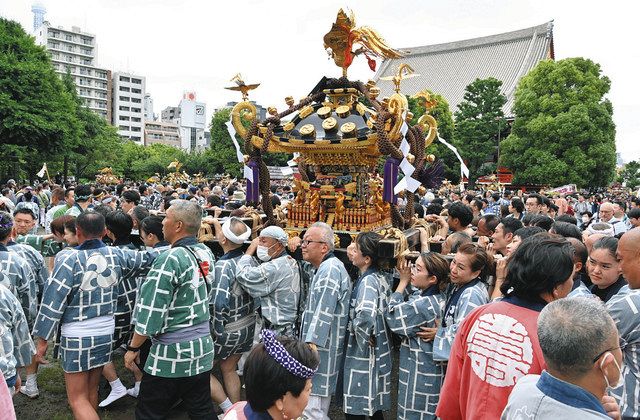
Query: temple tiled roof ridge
point(448, 68)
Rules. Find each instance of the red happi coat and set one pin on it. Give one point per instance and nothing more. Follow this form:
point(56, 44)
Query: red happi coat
point(496, 345)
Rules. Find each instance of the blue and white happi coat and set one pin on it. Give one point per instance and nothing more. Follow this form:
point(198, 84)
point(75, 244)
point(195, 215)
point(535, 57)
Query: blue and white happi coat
point(127, 291)
point(36, 262)
point(233, 318)
point(624, 308)
point(420, 377)
point(324, 321)
point(460, 301)
point(367, 367)
point(17, 276)
point(276, 284)
point(84, 286)
point(16, 346)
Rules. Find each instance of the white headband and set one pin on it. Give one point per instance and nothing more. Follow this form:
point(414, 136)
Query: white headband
point(236, 239)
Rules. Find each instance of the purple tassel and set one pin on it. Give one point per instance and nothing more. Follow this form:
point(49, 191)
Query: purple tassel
point(253, 188)
point(390, 180)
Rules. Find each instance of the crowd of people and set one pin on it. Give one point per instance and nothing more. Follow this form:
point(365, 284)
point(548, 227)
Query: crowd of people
point(517, 305)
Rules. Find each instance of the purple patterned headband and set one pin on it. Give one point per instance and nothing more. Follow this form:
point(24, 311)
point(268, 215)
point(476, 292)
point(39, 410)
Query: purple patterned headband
point(282, 356)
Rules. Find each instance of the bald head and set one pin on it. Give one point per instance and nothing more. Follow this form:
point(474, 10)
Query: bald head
point(629, 256)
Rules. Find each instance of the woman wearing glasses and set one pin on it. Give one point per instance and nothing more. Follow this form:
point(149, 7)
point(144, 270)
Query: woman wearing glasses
point(420, 377)
point(367, 366)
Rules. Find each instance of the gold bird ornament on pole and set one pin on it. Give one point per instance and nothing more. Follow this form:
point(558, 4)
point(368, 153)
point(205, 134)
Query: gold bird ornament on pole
point(241, 86)
point(343, 35)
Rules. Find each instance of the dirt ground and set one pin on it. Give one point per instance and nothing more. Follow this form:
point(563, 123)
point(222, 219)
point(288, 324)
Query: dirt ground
point(52, 402)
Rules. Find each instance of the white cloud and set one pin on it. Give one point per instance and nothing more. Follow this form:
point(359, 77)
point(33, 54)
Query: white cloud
point(199, 45)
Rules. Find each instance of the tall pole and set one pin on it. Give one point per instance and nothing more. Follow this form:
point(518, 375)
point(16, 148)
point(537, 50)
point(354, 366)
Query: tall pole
point(498, 157)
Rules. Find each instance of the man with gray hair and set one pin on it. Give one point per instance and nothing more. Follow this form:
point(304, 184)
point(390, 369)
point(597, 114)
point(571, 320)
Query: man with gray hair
point(581, 348)
point(273, 278)
point(324, 320)
point(173, 310)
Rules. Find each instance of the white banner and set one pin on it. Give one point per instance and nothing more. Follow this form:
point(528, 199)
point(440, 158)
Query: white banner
point(565, 189)
point(232, 133)
point(42, 171)
point(248, 173)
point(463, 168)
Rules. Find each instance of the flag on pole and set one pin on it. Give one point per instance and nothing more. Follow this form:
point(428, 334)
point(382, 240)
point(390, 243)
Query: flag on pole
point(42, 171)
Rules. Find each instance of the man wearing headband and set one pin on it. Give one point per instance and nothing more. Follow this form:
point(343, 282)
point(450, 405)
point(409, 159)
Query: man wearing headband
point(233, 318)
point(83, 200)
point(275, 281)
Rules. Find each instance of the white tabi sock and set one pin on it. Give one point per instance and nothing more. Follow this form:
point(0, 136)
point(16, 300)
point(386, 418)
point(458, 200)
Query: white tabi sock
point(116, 385)
point(31, 379)
point(226, 405)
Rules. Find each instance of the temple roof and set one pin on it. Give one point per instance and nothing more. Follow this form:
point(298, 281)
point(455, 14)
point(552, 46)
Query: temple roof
point(447, 69)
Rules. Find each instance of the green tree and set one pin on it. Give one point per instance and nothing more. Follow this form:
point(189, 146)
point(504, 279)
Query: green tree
point(446, 129)
point(221, 156)
point(478, 119)
point(37, 117)
point(630, 174)
point(563, 132)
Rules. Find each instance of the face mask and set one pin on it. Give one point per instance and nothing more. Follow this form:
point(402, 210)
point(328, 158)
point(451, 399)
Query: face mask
point(620, 379)
point(263, 253)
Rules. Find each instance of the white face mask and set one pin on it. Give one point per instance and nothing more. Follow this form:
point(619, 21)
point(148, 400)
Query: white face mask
point(263, 253)
point(620, 378)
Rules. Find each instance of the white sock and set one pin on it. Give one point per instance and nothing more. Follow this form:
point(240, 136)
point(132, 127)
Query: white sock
point(31, 378)
point(117, 385)
point(226, 405)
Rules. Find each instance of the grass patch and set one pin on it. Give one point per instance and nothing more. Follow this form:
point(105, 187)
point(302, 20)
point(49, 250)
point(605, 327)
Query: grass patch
point(51, 379)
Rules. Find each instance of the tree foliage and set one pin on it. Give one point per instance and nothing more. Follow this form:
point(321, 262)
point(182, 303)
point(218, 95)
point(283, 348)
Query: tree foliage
point(36, 112)
point(630, 174)
point(563, 132)
point(446, 129)
point(479, 118)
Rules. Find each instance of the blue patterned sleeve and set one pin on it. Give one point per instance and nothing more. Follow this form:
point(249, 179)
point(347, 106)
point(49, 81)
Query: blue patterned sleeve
point(469, 300)
point(257, 280)
point(406, 318)
point(132, 261)
point(364, 317)
point(23, 347)
point(54, 298)
point(220, 295)
point(327, 291)
point(27, 289)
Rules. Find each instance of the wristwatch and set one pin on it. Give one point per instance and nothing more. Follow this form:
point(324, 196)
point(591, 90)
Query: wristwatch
point(133, 349)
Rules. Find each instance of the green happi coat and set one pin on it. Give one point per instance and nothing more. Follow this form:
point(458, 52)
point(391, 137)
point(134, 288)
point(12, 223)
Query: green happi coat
point(173, 297)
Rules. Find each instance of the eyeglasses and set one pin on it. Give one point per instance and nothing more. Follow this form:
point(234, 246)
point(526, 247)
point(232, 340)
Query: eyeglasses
point(595, 359)
point(306, 242)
